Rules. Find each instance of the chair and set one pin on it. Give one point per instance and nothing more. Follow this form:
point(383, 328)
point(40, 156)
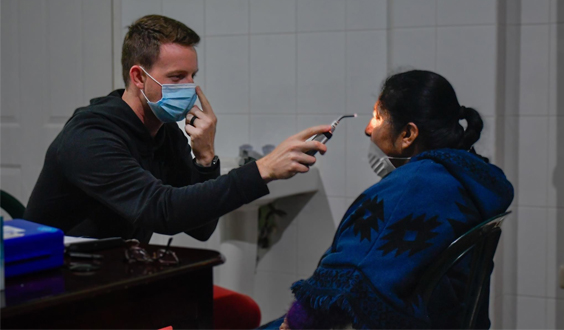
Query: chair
point(233, 310)
point(482, 240)
point(11, 205)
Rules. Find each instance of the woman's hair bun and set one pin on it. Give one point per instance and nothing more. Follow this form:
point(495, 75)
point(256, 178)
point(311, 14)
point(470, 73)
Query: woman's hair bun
point(474, 128)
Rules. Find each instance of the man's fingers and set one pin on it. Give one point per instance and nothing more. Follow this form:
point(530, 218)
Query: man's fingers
point(303, 158)
point(302, 167)
point(312, 145)
point(309, 132)
point(195, 111)
point(203, 100)
point(190, 130)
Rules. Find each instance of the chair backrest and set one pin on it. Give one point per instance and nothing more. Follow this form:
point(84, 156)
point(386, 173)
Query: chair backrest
point(482, 240)
point(11, 205)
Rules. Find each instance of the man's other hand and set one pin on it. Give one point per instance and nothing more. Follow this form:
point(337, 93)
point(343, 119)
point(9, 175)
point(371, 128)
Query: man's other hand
point(289, 157)
point(202, 130)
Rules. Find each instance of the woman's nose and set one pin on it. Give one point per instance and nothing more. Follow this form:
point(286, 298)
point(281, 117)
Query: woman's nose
point(369, 128)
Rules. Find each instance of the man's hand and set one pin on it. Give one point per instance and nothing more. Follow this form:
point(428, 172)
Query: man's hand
point(289, 157)
point(202, 130)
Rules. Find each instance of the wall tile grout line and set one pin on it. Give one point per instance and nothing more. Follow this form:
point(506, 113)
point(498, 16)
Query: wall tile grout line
point(297, 32)
point(82, 51)
point(296, 238)
point(436, 36)
point(249, 113)
point(346, 83)
point(548, 177)
point(296, 60)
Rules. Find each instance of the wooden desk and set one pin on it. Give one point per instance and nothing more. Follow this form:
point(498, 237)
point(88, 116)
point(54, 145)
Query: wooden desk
point(118, 296)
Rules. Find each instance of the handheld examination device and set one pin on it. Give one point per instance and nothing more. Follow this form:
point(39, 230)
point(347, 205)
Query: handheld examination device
point(324, 137)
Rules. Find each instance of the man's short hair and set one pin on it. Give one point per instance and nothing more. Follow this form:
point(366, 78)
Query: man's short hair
point(144, 37)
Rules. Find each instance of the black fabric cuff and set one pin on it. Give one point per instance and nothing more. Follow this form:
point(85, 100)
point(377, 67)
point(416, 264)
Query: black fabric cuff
point(249, 182)
point(210, 172)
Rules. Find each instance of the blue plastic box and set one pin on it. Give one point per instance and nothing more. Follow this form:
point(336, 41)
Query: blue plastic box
point(30, 247)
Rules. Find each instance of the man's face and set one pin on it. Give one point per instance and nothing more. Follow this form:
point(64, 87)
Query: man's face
point(176, 64)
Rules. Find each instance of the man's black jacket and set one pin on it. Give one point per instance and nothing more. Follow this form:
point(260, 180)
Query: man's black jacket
point(105, 176)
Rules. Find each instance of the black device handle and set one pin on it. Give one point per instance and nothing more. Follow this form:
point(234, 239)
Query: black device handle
point(95, 245)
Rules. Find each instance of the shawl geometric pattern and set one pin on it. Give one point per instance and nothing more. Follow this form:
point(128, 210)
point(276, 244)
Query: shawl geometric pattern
point(394, 230)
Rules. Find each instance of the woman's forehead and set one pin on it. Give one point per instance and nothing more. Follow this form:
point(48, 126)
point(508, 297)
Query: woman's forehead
point(377, 107)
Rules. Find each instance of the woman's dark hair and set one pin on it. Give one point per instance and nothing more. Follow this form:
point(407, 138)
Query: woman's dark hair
point(428, 100)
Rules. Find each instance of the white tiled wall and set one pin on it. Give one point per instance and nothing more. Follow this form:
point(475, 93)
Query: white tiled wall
point(321, 72)
point(533, 155)
point(466, 56)
point(68, 45)
point(226, 17)
point(538, 302)
point(366, 15)
point(533, 94)
point(404, 40)
point(321, 15)
point(413, 13)
point(462, 12)
point(227, 73)
point(273, 16)
point(531, 313)
point(273, 74)
point(554, 248)
point(535, 11)
point(531, 252)
point(366, 64)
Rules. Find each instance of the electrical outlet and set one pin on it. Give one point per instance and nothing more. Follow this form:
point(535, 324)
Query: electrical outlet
point(561, 277)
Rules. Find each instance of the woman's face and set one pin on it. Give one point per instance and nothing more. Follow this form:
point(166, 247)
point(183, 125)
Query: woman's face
point(381, 132)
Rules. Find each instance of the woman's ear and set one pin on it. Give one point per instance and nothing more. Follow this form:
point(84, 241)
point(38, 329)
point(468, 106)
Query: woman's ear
point(408, 136)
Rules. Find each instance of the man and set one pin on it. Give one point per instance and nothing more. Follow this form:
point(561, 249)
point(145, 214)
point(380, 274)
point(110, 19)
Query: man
point(122, 167)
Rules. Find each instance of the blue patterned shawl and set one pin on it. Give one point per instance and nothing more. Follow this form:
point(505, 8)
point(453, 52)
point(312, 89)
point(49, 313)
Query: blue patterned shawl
point(394, 230)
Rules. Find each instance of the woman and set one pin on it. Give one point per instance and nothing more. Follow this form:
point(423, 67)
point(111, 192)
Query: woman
point(395, 229)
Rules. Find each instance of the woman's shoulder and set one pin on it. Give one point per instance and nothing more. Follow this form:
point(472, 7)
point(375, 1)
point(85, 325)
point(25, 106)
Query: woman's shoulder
point(424, 172)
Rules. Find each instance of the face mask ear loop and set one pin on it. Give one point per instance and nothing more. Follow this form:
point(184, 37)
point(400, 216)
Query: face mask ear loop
point(142, 92)
point(147, 73)
point(155, 80)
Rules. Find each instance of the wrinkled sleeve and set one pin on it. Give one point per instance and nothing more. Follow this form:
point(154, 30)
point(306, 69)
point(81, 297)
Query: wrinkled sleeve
point(99, 163)
point(188, 173)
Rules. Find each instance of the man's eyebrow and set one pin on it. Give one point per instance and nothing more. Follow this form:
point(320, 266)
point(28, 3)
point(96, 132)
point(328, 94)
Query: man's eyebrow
point(177, 72)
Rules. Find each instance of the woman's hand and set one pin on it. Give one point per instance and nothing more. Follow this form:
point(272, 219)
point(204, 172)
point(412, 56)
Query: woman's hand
point(284, 325)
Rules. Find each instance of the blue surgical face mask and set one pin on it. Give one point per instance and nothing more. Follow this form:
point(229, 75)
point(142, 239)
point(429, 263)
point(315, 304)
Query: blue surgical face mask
point(175, 103)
